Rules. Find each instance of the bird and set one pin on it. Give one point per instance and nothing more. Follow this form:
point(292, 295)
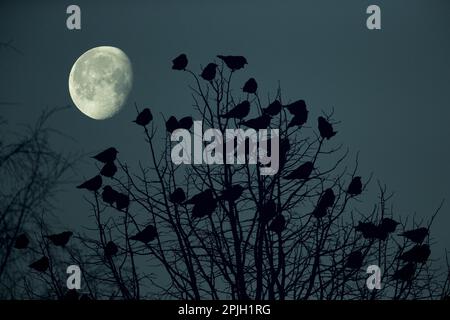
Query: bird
point(406, 273)
point(203, 196)
point(172, 124)
point(416, 235)
point(278, 224)
point(203, 209)
point(232, 194)
point(40, 265)
point(209, 73)
point(320, 211)
point(178, 196)
point(108, 155)
point(122, 201)
point(297, 121)
point(327, 198)
point(22, 241)
point(239, 111)
point(273, 109)
point(233, 62)
point(148, 234)
point(180, 62)
point(108, 170)
point(368, 229)
point(259, 123)
point(185, 123)
point(354, 260)
point(60, 239)
point(144, 117)
point(418, 254)
point(109, 195)
point(297, 108)
point(302, 172)
point(268, 211)
point(250, 86)
point(92, 184)
point(388, 225)
point(111, 249)
point(325, 128)
point(355, 187)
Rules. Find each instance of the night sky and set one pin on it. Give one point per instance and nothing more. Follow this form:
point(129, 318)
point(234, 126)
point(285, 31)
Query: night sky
point(389, 88)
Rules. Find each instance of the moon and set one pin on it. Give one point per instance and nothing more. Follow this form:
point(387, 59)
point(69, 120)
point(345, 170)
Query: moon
point(100, 81)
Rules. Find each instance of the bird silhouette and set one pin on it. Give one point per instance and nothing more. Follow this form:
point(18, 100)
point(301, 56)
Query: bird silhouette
point(250, 86)
point(204, 209)
point(240, 111)
point(320, 211)
point(144, 117)
point(355, 187)
point(302, 172)
point(388, 225)
point(354, 260)
point(108, 170)
point(368, 229)
point(185, 123)
point(326, 200)
point(22, 241)
point(268, 211)
point(92, 184)
point(122, 201)
point(232, 194)
point(108, 155)
point(180, 62)
point(259, 123)
point(111, 249)
point(148, 234)
point(178, 196)
point(416, 235)
point(40, 265)
point(201, 197)
point(297, 121)
point(233, 62)
point(109, 195)
point(418, 254)
point(273, 109)
point(298, 108)
point(325, 128)
point(278, 224)
point(60, 239)
point(406, 273)
point(209, 73)
point(172, 124)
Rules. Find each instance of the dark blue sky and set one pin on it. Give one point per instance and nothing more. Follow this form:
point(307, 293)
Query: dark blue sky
point(390, 89)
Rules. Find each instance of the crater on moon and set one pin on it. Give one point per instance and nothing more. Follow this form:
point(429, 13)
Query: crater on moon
point(100, 81)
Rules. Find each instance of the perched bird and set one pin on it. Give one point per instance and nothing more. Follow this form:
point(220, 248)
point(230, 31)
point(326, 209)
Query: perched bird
point(355, 187)
point(233, 62)
point(108, 155)
point(259, 123)
point(418, 254)
point(278, 224)
point(122, 201)
point(201, 197)
point(232, 194)
point(185, 123)
point(416, 235)
point(92, 184)
point(297, 121)
point(22, 241)
point(40, 265)
point(354, 260)
point(325, 128)
point(273, 109)
point(368, 229)
point(250, 86)
point(148, 234)
point(111, 249)
point(406, 273)
point(209, 73)
point(268, 211)
point(178, 196)
point(109, 195)
point(144, 117)
point(204, 209)
point(60, 239)
point(108, 170)
point(240, 111)
point(172, 124)
point(327, 199)
point(302, 172)
point(298, 108)
point(180, 62)
point(320, 211)
point(388, 225)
